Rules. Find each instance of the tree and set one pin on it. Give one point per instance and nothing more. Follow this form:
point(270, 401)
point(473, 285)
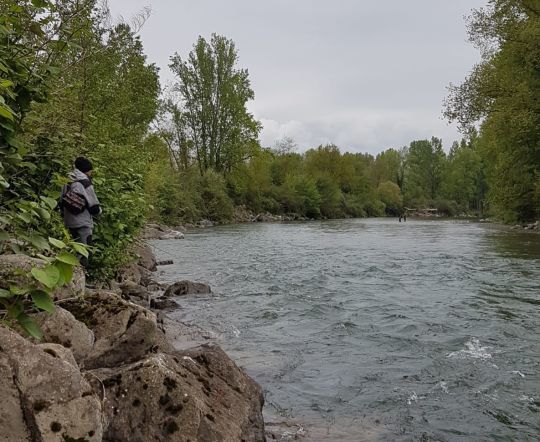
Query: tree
point(502, 94)
point(213, 94)
point(426, 162)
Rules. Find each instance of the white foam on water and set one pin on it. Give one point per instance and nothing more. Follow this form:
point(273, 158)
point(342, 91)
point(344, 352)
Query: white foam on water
point(473, 350)
point(444, 386)
point(412, 398)
point(519, 373)
point(235, 331)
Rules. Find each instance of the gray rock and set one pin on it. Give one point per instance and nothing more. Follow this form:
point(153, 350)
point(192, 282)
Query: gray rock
point(132, 289)
point(124, 331)
point(172, 234)
point(131, 272)
point(12, 421)
point(205, 223)
point(146, 258)
point(61, 327)
point(56, 401)
point(163, 303)
point(9, 264)
point(198, 395)
point(187, 288)
point(59, 351)
point(155, 231)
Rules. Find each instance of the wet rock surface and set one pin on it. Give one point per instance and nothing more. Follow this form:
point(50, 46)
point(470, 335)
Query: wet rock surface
point(187, 288)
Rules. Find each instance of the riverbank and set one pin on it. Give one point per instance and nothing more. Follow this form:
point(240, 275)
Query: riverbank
point(107, 369)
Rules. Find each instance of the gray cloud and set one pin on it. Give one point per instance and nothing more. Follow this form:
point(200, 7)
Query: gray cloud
point(364, 75)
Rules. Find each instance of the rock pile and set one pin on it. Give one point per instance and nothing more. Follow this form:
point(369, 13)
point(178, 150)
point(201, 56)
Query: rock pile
point(106, 371)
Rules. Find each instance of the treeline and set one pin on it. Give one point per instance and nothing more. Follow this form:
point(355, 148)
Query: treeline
point(326, 183)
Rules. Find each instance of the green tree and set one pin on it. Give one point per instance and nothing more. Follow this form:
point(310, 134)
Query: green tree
point(213, 94)
point(502, 93)
point(425, 169)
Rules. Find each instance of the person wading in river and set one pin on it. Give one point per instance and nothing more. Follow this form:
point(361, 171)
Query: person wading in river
point(79, 204)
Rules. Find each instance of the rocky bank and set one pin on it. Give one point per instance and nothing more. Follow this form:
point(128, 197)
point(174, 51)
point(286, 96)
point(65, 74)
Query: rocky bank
point(106, 369)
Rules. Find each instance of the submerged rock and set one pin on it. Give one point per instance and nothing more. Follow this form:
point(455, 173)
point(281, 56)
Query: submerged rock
point(187, 288)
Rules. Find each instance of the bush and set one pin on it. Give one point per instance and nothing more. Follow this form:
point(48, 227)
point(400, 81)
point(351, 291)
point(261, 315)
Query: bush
point(216, 204)
point(124, 213)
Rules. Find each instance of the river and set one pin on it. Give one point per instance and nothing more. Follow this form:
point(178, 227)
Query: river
point(373, 329)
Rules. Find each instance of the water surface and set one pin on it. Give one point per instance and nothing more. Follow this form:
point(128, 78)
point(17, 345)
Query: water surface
point(374, 329)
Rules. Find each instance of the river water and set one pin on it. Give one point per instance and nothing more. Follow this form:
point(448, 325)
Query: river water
point(373, 329)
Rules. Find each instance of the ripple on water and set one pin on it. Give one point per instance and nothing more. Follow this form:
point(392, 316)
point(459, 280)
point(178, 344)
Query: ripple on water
point(425, 330)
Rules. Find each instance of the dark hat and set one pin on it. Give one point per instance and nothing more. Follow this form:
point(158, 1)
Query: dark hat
point(83, 164)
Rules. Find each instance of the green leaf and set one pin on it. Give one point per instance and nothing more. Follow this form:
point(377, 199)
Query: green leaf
point(39, 3)
point(39, 242)
point(15, 309)
point(51, 202)
point(4, 236)
point(29, 326)
point(48, 276)
point(6, 112)
point(81, 249)
point(25, 217)
point(57, 243)
point(43, 214)
point(68, 258)
point(66, 272)
point(5, 294)
point(18, 290)
point(6, 83)
point(42, 300)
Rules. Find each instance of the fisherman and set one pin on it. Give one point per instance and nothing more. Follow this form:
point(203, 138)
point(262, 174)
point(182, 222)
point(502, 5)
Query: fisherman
point(79, 204)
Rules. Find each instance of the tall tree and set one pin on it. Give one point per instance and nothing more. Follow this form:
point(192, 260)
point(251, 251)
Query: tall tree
point(213, 94)
point(426, 162)
point(502, 93)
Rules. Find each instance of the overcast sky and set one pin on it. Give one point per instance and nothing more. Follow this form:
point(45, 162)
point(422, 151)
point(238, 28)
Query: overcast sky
point(363, 74)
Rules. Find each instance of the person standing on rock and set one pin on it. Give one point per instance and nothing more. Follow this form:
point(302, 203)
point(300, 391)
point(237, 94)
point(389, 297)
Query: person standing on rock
point(79, 204)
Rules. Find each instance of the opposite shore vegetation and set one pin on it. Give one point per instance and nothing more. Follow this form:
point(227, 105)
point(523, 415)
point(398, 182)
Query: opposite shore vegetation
point(72, 83)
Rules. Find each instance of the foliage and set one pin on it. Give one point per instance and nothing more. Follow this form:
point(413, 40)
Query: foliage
point(117, 227)
point(32, 37)
point(389, 193)
point(69, 82)
point(502, 95)
point(211, 116)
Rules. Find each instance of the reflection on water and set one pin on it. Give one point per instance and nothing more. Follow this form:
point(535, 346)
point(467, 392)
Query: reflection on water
point(374, 329)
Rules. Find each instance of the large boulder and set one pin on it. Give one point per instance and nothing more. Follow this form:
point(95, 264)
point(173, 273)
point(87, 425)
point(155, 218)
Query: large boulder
point(187, 288)
point(45, 397)
point(124, 331)
point(61, 327)
point(12, 421)
point(145, 256)
point(201, 395)
point(10, 273)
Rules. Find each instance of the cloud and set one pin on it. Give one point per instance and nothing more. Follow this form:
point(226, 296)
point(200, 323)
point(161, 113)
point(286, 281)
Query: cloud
point(359, 131)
